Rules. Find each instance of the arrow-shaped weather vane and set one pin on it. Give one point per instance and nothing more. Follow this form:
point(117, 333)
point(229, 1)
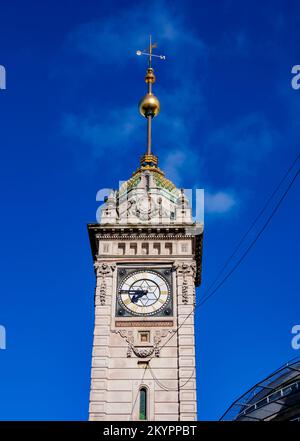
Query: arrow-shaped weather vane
point(148, 52)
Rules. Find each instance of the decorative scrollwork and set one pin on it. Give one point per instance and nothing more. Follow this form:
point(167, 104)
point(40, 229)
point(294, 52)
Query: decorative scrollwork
point(142, 351)
point(129, 338)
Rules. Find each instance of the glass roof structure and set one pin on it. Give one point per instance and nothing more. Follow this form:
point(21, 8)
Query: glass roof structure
point(278, 393)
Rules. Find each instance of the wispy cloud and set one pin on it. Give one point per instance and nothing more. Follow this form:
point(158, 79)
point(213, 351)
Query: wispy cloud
point(102, 135)
point(239, 145)
point(111, 41)
point(178, 163)
point(220, 202)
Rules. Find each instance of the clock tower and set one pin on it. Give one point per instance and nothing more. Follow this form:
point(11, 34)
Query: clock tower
point(147, 254)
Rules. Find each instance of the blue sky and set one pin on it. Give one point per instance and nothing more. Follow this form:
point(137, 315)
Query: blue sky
point(229, 123)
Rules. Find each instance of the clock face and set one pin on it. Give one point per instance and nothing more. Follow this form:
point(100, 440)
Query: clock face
point(144, 292)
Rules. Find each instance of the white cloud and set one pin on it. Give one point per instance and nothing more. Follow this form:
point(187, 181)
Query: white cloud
point(219, 202)
point(172, 165)
point(113, 41)
point(239, 145)
point(103, 134)
point(181, 164)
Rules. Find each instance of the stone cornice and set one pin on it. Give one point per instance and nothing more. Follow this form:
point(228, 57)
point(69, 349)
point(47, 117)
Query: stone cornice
point(143, 237)
point(192, 232)
point(145, 229)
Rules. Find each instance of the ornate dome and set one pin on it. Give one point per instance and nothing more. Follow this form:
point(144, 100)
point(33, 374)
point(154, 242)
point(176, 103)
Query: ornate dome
point(147, 197)
point(159, 179)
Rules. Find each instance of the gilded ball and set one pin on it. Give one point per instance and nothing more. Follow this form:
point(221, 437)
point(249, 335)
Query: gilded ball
point(149, 105)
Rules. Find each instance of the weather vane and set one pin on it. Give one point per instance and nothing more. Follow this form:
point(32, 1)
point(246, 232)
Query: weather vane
point(148, 52)
point(149, 105)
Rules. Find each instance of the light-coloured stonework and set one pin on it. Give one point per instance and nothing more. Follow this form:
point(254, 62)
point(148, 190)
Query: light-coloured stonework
point(154, 352)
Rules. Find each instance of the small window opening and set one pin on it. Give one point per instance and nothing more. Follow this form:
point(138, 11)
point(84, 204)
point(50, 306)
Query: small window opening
point(143, 404)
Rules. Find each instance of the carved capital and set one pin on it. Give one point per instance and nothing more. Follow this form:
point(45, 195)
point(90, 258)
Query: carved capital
point(186, 269)
point(104, 269)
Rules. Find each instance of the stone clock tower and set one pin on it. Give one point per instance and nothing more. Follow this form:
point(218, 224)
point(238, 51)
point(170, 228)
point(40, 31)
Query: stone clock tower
point(147, 254)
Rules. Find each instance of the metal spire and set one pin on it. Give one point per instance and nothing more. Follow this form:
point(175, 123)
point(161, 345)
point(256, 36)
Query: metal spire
point(148, 52)
point(149, 105)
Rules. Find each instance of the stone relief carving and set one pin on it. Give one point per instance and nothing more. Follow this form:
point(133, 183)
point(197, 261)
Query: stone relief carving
point(102, 292)
point(128, 337)
point(158, 337)
point(147, 207)
point(186, 270)
point(143, 351)
point(103, 270)
point(185, 291)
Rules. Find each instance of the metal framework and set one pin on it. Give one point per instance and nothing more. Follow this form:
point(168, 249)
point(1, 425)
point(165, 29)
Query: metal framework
point(278, 393)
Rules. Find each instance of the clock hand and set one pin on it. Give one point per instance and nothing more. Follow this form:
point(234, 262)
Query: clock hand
point(134, 291)
point(138, 294)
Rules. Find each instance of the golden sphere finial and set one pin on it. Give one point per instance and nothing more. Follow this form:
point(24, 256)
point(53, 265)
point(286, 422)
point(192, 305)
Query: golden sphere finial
point(149, 105)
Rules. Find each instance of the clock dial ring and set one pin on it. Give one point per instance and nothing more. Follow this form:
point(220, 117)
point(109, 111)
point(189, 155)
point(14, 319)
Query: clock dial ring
point(144, 292)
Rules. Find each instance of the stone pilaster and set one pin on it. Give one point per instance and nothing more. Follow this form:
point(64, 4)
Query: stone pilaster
point(101, 356)
point(186, 272)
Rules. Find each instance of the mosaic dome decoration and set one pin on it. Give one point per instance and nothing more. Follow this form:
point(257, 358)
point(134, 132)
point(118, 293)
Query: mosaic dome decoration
point(147, 197)
point(159, 179)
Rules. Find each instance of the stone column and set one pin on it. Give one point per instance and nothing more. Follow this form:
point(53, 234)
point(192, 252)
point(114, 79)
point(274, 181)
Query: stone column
point(100, 356)
point(186, 340)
